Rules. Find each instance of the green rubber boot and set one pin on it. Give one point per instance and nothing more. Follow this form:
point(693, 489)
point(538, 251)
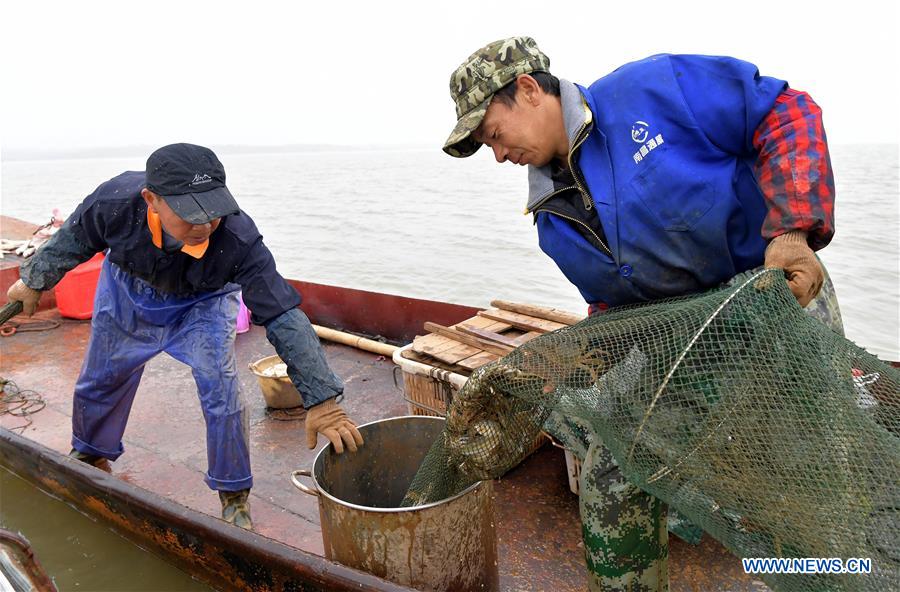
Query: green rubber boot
point(236, 508)
point(100, 462)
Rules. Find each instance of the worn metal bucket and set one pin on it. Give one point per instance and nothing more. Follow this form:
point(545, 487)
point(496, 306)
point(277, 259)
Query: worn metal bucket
point(447, 545)
point(278, 391)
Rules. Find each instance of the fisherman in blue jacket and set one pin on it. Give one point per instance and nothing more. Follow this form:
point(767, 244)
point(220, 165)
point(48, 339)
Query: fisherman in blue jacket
point(178, 252)
point(669, 176)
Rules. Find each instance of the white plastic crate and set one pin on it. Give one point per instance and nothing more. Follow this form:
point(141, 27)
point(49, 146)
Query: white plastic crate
point(573, 468)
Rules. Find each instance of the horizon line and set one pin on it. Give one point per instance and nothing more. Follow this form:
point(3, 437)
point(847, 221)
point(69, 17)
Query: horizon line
point(122, 151)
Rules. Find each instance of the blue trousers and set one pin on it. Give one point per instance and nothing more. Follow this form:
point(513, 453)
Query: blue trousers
point(132, 323)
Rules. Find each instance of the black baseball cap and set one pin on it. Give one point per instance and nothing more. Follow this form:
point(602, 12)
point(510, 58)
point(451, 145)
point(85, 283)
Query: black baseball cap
point(192, 181)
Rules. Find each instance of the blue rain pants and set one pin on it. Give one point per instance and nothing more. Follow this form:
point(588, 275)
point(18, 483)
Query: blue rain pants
point(133, 322)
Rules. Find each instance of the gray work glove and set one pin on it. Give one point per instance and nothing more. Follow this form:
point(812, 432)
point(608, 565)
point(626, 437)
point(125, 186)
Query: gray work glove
point(29, 297)
point(791, 253)
point(330, 420)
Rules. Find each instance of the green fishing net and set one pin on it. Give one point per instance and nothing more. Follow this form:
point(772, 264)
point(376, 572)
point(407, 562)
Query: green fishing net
point(773, 433)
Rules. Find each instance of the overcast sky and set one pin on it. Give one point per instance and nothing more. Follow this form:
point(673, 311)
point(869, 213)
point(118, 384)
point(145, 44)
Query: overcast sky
point(92, 74)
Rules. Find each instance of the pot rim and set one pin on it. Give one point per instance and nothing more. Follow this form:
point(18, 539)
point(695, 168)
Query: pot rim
point(323, 492)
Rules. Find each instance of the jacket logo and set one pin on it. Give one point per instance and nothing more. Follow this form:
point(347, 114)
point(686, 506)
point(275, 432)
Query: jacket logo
point(644, 150)
point(201, 179)
point(639, 131)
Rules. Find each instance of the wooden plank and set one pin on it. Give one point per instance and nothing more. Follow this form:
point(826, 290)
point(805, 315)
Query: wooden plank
point(468, 339)
point(447, 353)
point(475, 342)
point(429, 361)
point(433, 342)
point(443, 351)
point(447, 350)
point(526, 337)
point(410, 355)
point(479, 340)
point(541, 312)
point(467, 365)
point(484, 323)
point(460, 352)
point(520, 321)
point(476, 361)
point(436, 345)
point(489, 335)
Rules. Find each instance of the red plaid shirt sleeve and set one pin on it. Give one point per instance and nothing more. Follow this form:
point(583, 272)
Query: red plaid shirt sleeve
point(793, 170)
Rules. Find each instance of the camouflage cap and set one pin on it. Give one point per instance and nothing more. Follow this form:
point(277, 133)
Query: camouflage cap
point(473, 84)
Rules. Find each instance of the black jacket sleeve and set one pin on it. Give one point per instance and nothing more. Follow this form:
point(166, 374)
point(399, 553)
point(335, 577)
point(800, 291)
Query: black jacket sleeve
point(298, 346)
point(82, 236)
point(273, 302)
point(63, 252)
point(265, 292)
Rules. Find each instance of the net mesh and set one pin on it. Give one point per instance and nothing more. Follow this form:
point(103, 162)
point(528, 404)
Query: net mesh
point(776, 435)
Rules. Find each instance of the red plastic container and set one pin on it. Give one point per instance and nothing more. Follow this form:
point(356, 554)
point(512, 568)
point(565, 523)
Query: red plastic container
point(75, 292)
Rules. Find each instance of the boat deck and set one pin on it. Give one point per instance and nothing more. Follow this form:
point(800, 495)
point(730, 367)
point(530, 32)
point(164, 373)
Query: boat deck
point(538, 529)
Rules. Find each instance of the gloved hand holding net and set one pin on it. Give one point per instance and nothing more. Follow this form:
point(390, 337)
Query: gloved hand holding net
point(776, 435)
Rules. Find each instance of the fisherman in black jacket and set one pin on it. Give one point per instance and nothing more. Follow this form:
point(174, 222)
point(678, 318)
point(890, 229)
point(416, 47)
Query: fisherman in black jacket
point(178, 250)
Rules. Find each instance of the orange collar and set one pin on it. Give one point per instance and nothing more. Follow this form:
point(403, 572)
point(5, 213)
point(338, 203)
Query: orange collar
point(155, 224)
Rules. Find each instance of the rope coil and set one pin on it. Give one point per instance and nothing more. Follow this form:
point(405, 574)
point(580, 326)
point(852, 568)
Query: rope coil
point(19, 403)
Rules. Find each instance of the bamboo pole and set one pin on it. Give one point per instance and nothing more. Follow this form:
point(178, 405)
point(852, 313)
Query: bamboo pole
point(369, 345)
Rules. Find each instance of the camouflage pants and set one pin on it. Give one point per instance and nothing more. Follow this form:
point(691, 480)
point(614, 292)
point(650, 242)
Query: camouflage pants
point(624, 529)
point(626, 544)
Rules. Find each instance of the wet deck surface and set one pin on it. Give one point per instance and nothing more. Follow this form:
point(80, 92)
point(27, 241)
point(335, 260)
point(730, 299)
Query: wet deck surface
point(539, 537)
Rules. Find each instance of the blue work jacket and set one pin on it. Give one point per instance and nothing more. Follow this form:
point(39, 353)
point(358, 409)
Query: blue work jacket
point(666, 158)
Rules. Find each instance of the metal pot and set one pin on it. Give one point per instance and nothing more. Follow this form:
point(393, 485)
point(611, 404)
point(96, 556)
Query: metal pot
point(447, 545)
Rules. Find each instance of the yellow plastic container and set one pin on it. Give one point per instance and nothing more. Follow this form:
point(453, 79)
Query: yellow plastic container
point(278, 391)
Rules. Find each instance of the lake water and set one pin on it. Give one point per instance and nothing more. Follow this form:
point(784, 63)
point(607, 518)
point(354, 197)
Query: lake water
point(80, 553)
point(421, 224)
point(418, 223)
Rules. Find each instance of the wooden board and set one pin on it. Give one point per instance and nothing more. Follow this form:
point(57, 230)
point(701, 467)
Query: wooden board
point(520, 321)
point(443, 348)
point(433, 342)
point(526, 337)
point(477, 361)
point(540, 312)
point(467, 365)
point(429, 361)
point(470, 340)
point(485, 323)
point(487, 336)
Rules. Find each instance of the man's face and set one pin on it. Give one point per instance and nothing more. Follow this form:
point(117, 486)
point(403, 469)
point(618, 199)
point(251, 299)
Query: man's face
point(530, 131)
point(177, 227)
